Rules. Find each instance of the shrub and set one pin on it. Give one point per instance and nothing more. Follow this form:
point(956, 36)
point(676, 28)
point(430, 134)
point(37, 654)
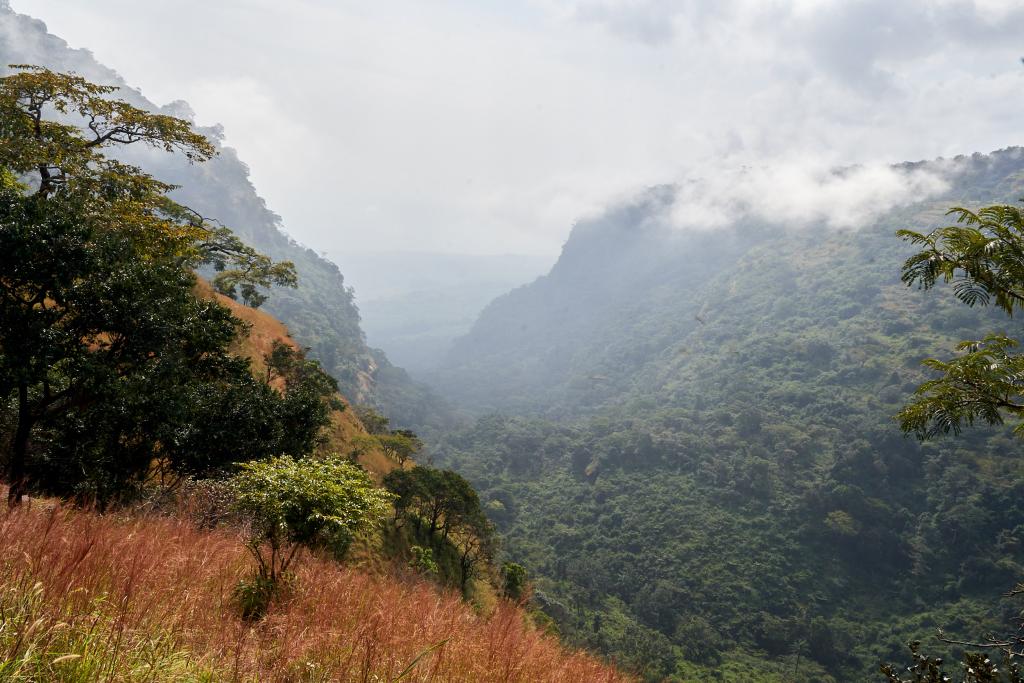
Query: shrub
point(422, 561)
point(292, 504)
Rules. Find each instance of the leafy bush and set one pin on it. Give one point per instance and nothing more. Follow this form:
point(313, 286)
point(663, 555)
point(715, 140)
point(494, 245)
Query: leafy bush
point(252, 596)
point(422, 561)
point(307, 503)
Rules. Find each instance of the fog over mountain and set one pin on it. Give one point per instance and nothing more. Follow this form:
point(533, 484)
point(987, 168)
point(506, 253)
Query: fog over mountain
point(415, 304)
point(492, 127)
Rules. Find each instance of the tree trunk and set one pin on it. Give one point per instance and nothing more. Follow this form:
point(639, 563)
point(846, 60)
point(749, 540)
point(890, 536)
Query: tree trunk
point(16, 466)
point(464, 574)
point(466, 563)
point(434, 519)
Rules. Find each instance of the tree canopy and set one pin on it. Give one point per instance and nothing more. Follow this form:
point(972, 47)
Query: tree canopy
point(110, 364)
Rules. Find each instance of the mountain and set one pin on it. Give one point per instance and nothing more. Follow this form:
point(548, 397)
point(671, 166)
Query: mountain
point(560, 342)
point(687, 438)
point(415, 304)
point(321, 313)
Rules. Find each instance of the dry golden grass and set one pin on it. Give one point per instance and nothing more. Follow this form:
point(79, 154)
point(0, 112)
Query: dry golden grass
point(143, 598)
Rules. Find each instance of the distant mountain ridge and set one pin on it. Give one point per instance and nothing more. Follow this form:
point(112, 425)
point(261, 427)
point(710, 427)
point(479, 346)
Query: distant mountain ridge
point(321, 313)
point(555, 345)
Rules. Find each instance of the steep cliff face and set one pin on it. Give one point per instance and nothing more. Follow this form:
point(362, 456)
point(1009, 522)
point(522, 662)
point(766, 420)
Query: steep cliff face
point(570, 340)
point(321, 313)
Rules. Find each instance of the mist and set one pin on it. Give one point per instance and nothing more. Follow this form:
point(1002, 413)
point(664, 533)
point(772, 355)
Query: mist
point(803, 196)
point(490, 128)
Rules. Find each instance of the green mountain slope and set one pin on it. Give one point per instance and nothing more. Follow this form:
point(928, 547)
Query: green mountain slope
point(725, 493)
point(321, 312)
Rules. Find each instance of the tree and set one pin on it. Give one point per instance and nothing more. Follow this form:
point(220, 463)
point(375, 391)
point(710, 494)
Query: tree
point(983, 257)
point(373, 421)
point(303, 503)
point(400, 444)
point(477, 542)
point(442, 499)
point(513, 581)
point(976, 668)
point(459, 503)
point(408, 488)
point(97, 311)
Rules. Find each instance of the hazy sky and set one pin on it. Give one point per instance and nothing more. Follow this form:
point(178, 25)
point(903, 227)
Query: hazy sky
point(490, 125)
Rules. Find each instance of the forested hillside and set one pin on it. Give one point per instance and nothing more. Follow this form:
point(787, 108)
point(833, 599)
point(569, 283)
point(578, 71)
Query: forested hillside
point(320, 312)
point(709, 480)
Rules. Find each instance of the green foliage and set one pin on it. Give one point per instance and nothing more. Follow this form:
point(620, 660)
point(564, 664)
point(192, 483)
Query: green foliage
point(983, 258)
point(513, 578)
point(106, 354)
point(86, 645)
point(374, 422)
point(63, 152)
point(253, 596)
point(980, 385)
point(422, 561)
point(442, 501)
point(976, 668)
point(398, 444)
point(303, 503)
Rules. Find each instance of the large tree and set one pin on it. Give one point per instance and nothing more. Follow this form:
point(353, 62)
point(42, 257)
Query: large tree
point(106, 353)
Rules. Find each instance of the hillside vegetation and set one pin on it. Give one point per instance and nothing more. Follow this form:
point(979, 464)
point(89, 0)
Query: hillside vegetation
point(344, 433)
point(129, 384)
point(693, 448)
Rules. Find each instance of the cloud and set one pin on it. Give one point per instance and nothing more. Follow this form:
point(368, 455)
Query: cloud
point(860, 42)
point(802, 195)
point(492, 127)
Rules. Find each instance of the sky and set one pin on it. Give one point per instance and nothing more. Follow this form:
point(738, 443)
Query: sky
point(491, 126)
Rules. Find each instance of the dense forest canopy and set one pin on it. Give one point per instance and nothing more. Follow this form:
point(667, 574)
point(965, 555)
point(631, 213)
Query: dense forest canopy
point(706, 475)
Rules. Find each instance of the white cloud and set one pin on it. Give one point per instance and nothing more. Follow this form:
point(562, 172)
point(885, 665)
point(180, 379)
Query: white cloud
point(801, 195)
point(490, 127)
